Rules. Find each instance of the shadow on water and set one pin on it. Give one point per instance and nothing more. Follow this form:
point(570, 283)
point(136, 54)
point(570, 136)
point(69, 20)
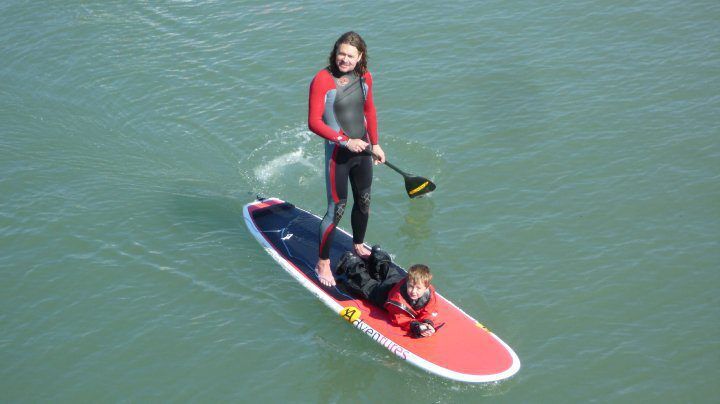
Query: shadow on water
point(207, 210)
point(204, 212)
point(212, 226)
point(415, 228)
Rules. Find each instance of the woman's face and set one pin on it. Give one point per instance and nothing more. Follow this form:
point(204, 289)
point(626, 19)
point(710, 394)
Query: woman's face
point(347, 57)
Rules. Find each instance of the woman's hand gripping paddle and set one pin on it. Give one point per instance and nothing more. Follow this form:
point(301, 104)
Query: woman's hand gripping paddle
point(414, 185)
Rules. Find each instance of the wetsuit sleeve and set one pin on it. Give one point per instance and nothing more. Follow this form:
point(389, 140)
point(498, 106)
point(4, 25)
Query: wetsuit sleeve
point(321, 84)
point(370, 113)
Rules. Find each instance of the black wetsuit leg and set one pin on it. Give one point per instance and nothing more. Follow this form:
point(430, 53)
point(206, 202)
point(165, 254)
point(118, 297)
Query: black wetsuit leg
point(361, 181)
point(342, 166)
point(359, 282)
point(379, 294)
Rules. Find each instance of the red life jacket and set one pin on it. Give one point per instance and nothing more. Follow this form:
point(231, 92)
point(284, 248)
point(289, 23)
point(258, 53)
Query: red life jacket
point(402, 313)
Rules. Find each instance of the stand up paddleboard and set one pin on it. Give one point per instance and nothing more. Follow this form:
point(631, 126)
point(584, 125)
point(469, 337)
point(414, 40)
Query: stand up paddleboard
point(461, 349)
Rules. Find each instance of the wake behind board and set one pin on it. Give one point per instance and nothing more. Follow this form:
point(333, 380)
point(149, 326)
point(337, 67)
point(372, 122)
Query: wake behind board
point(462, 349)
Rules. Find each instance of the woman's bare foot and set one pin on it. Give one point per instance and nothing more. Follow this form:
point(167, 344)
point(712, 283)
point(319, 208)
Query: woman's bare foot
point(324, 273)
point(361, 250)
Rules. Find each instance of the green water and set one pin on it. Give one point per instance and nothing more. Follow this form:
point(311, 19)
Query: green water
point(574, 145)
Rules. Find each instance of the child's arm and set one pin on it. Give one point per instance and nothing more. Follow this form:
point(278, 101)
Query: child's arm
point(403, 319)
point(399, 316)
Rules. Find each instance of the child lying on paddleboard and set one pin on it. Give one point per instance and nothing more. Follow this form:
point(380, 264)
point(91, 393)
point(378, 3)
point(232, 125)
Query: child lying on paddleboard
point(409, 299)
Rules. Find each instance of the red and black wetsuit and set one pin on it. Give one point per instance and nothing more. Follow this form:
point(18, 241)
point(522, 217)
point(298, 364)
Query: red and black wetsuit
point(342, 108)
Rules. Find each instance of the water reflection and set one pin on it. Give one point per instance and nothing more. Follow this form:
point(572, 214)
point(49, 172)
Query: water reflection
point(415, 229)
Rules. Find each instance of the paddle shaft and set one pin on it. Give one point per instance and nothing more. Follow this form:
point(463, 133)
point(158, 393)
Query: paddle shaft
point(389, 164)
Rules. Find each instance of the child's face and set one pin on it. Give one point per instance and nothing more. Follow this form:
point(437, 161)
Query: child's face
point(416, 290)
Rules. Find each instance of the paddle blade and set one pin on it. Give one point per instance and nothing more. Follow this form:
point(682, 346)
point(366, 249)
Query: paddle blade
point(418, 186)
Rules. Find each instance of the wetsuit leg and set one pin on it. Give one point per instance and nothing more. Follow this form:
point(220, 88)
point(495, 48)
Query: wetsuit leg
point(379, 294)
point(356, 278)
point(336, 180)
point(361, 175)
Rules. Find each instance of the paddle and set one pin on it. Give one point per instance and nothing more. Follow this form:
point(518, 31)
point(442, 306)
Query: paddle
point(414, 185)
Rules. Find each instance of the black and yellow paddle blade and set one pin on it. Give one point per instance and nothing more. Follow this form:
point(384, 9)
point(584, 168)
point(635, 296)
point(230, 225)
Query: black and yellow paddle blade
point(418, 186)
point(414, 185)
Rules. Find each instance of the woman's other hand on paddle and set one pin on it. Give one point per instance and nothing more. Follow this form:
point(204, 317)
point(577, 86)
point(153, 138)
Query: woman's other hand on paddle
point(378, 153)
point(357, 145)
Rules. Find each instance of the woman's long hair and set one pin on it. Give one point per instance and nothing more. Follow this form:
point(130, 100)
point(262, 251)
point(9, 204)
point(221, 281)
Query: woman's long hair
point(354, 39)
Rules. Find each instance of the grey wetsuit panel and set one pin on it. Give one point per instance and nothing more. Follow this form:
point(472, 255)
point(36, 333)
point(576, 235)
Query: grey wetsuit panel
point(349, 105)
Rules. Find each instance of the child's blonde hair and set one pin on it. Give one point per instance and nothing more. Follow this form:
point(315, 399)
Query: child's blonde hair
point(419, 273)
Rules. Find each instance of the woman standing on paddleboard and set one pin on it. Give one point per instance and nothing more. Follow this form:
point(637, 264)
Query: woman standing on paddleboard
point(341, 110)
